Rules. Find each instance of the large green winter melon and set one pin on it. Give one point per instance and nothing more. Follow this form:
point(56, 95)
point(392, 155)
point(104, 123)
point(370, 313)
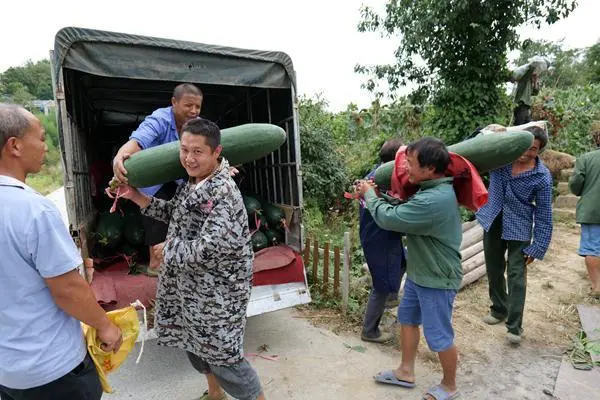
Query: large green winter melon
point(241, 144)
point(485, 152)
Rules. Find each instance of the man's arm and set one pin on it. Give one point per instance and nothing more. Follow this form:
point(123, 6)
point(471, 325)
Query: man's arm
point(55, 257)
point(153, 207)
point(542, 218)
point(73, 295)
point(145, 136)
point(412, 217)
point(577, 180)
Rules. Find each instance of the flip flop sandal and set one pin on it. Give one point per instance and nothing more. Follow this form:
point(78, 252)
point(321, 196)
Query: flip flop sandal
point(389, 378)
point(438, 393)
point(205, 397)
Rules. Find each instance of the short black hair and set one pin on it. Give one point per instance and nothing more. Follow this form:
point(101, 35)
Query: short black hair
point(539, 134)
point(389, 149)
point(431, 152)
point(186, 88)
point(206, 128)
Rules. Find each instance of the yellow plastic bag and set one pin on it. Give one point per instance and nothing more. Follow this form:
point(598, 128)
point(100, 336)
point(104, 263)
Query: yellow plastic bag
point(106, 362)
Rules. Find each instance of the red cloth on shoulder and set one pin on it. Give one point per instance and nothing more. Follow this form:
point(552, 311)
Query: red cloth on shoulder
point(468, 185)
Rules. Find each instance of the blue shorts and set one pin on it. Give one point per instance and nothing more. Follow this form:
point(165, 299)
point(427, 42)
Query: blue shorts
point(589, 244)
point(432, 308)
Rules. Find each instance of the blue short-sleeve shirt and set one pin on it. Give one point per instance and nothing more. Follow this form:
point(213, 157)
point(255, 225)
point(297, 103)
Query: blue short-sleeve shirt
point(39, 342)
point(156, 129)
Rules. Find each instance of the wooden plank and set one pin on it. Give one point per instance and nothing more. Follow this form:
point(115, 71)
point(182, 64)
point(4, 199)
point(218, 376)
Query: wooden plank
point(326, 267)
point(468, 225)
point(315, 266)
point(471, 251)
point(473, 276)
point(346, 273)
point(473, 262)
point(471, 237)
point(306, 252)
point(336, 270)
point(590, 322)
point(575, 384)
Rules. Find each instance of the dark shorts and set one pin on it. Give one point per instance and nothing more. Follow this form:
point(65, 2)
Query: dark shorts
point(155, 230)
point(433, 309)
point(238, 380)
point(82, 383)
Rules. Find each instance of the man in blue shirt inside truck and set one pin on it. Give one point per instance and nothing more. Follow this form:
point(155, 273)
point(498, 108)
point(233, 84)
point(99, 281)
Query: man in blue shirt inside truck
point(163, 126)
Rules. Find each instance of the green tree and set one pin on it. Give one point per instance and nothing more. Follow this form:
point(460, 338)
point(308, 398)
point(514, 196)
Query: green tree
point(456, 52)
point(592, 63)
point(35, 77)
point(17, 93)
point(324, 174)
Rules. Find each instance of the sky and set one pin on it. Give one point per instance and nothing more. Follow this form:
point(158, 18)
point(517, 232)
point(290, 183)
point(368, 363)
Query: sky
point(319, 35)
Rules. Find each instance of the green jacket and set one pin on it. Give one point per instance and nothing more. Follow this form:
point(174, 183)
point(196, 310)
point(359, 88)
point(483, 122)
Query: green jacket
point(585, 182)
point(431, 221)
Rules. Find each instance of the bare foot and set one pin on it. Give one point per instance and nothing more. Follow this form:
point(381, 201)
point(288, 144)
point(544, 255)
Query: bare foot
point(405, 376)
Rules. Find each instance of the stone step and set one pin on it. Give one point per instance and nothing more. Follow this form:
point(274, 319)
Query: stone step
point(565, 174)
point(563, 188)
point(564, 213)
point(566, 201)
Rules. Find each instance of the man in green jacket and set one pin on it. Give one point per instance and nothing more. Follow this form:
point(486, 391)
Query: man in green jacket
point(431, 221)
point(585, 182)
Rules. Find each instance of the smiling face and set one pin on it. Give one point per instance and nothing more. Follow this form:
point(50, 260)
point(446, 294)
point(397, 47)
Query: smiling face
point(417, 173)
point(196, 155)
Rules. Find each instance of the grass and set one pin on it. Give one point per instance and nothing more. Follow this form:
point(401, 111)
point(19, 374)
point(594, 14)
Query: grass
point(47, 180)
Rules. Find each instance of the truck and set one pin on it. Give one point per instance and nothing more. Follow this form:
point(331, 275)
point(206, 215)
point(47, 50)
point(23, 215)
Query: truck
point(106, 83)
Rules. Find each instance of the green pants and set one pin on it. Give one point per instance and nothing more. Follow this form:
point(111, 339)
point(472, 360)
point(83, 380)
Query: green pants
point(505, 304)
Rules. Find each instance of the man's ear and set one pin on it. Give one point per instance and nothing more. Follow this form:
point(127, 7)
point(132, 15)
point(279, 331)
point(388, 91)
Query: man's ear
point(12, 146)
point(173, 101)
point(218, 150)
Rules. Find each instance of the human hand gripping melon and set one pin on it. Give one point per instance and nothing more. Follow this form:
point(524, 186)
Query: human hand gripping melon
point(241, 144)
point(485, 152)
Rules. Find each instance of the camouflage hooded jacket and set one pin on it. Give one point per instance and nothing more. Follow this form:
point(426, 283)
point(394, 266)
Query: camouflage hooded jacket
point(204, 281)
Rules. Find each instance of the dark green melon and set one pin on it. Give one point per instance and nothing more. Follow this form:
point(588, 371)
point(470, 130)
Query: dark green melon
point(259, 241)
point(275, 236)
point(274, 215)
point(109, 230)
point(485, 152)
point(241, 144)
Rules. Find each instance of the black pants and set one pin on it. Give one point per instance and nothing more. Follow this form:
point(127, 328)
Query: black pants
point(507, 294)
point(522, 114)
point(156, 231)
point(82, 383)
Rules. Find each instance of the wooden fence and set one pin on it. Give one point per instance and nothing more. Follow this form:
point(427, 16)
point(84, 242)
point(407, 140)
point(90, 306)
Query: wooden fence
point(335, 262)
point(336, 269)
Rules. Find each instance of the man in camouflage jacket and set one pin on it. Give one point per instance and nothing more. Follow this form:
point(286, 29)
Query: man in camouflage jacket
point(205, 277)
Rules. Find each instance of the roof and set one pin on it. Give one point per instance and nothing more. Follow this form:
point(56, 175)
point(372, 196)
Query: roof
point(121, 55)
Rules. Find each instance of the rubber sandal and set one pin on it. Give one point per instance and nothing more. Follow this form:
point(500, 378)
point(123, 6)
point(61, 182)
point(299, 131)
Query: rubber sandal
point(438, 393)
point(205, 397)
point(389, 378)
